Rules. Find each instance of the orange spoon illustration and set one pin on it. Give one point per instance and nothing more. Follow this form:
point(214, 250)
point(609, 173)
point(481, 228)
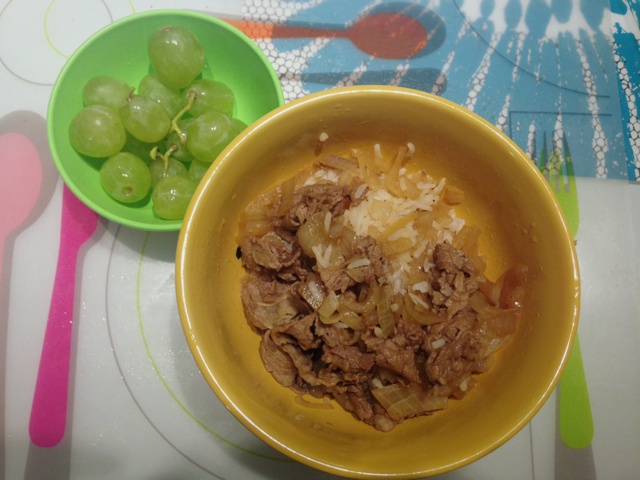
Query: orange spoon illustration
point(386, 35)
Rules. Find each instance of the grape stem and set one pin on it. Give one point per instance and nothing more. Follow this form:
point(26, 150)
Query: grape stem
point(164, 157)
point(191, 96)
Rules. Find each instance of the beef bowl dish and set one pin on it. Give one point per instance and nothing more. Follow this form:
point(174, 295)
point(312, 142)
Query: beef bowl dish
point(377, 282)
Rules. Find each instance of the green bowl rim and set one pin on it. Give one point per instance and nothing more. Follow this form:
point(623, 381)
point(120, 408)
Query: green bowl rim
point(168, 225)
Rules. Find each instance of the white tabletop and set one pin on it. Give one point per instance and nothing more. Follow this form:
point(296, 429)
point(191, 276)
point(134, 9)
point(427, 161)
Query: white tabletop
point(139, 407)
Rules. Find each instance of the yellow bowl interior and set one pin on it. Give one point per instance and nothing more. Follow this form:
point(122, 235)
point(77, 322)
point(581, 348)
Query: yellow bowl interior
point(505, 195)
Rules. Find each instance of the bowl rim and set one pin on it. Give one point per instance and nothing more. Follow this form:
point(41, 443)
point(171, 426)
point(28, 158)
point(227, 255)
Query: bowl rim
point(168, 225)
point(218, 170)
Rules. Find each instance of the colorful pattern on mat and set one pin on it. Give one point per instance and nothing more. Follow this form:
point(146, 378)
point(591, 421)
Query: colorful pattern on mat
point(626, 34)
point(478, 54)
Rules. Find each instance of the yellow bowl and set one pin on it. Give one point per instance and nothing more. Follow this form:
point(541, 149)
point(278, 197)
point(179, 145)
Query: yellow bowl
point(506, 197)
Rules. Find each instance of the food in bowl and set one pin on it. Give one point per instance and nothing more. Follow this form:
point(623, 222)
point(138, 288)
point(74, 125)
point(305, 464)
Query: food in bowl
point(120, 51)
point(505, 197)
point(172, 110)
point(366, 288)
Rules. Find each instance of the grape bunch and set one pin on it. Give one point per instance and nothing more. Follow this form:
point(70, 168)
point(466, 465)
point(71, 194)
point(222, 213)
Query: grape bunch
point(162, 136)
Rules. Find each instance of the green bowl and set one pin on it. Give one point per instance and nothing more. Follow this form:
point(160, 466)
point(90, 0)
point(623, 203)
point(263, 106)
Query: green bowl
point(120, 50)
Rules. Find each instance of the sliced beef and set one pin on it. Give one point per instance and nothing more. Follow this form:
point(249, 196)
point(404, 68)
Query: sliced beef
point(340, 279)
point(349, 358)
point(367, 247)
point(301, 331)
point(459, 353)
point(303, 362)
point(277, 362)
point(390, 354)
point(454, 281)
point(311, 199)
point(336, 279)
point(358, 400)
point(270, 251)
point(412, 332)
point(332, 335)
point(268, 303)
point(449, 259)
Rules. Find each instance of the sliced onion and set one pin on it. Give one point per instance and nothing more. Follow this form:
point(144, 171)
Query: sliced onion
point(287, 189)
point(311, 233)
point(503, 323)
point(352, 320)
point(407, 401)
point(357, 274)
point(419, 311)
point(313, 292)
point(386, 320)
point(324, 405)
point(338, 163)
point(466, 239)
point(481, 304)
point(484, 364)
point(452, 195)
point(513, 282)
point(330, 319)
point(253, 228)
point(348, 303)
point(347, 240)
point(490, 290)
point(490, 344)
point(329, 304)
point(397, 182)
point(358, 262)
point(344, 319)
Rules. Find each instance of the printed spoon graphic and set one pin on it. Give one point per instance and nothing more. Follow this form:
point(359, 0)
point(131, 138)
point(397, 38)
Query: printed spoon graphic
point(382, 34)
point(20, 184)
point(27, 183)
point(49, 409)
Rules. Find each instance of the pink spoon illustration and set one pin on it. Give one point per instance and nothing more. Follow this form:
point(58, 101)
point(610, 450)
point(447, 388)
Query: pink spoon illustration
point(20, 184)
point(49, 409)
point(27, 182)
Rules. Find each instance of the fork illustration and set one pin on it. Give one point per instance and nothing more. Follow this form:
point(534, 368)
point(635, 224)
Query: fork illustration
point(576, 422)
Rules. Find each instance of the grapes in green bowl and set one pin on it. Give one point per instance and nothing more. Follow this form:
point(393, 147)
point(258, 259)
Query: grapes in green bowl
point(125, 63)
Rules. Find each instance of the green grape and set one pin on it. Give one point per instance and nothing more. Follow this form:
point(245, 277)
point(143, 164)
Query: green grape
point(180, 152)
point(145, 119)
point(210, 95)
point(125, 177)
point(138, 148)
point(197, 169)
point(105, 90)
point(171, 197)
point(238, 127)
point(97, 131)
point(176, 56)
point(208, 135)
point(150, 86)
point(157, 169)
